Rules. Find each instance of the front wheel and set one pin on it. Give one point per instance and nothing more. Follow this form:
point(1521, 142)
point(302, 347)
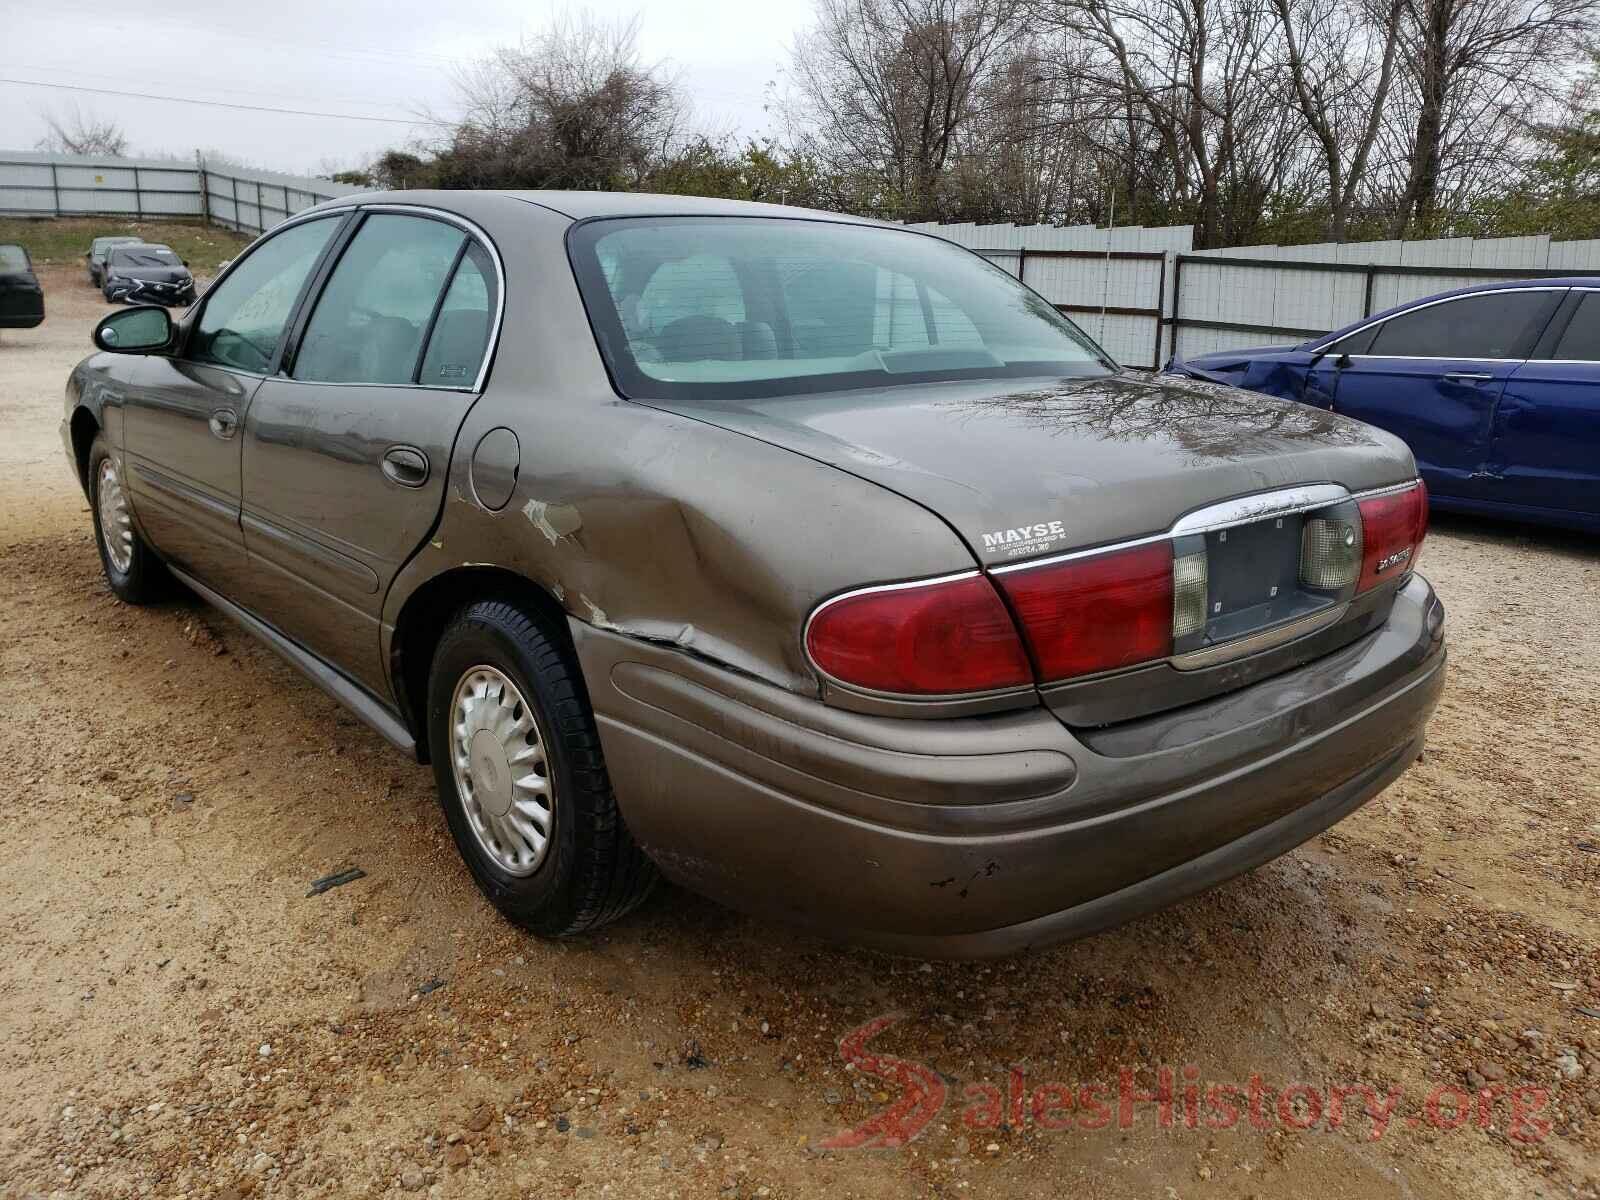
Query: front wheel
point(517, 759)
point(132, 569)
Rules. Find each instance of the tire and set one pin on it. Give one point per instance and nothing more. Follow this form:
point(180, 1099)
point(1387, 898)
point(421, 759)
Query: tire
point(134, 573)
point(589, 871)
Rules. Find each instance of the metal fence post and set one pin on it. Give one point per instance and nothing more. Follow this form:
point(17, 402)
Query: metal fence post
point(138, 196)
point(205, 188)
point(1161, 305)
point(1177, 293)
point(1366, 302)
point(55, 189)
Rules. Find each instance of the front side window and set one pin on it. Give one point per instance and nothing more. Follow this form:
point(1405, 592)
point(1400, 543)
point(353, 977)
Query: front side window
point(1359, 342)
point(246, 312)
point(1581, 341)
point(369, 323)
point(738, 307)
point(1489, 325)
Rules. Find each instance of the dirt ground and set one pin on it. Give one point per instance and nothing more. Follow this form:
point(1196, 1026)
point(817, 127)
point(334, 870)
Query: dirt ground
point(179, 1018)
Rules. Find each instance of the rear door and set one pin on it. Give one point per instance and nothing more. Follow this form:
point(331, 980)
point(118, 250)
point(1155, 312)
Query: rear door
point(183, 413)
point(1432, 376)
point(1545, 451)
point(347, 448)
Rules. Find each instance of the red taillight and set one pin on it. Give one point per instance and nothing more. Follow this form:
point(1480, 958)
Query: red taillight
point(1392, 529)
point(945, 636)
point(1095, 613)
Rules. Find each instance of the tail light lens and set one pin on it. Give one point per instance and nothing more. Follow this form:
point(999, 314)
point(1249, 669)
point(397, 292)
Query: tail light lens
point(944, 636)
point(1392, 529)
point(1096, 613)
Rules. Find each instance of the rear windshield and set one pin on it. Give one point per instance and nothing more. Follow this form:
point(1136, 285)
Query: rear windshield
point(13, 258)
point(738, 307)
point(144, 256)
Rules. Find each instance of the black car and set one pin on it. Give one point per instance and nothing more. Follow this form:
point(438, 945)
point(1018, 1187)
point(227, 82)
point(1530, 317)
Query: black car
point(99, 248)
point(147, 274)
point(21, 297)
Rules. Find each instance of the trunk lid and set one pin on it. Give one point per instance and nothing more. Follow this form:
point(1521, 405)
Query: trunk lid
point(1026, 468)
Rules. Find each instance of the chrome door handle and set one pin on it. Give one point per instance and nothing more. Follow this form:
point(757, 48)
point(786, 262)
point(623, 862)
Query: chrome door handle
point(224, 423)
point(1479, 376)
point(406, 465)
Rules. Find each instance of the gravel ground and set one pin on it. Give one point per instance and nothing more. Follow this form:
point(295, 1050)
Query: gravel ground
point(179, 1018)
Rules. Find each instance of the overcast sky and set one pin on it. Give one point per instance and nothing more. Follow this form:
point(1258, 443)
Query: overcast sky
point(375, 58)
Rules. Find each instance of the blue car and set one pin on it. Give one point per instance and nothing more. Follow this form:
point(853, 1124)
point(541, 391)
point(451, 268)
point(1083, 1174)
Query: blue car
point(1496, 389)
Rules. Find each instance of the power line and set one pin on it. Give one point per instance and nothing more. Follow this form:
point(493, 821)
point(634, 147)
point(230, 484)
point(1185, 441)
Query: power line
point(204, 84)
point(293, 112)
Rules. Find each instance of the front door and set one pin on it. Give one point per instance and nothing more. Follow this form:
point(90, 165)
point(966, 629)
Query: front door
point(347, 448)
point(181, 429)
point(1433, 375)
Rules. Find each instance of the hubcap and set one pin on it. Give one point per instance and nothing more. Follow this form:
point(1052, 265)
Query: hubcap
point(497, 754)
point(116, 527)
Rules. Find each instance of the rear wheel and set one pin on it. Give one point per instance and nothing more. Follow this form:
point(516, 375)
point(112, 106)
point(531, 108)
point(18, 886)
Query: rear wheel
point(132, 570)
point(521, 776)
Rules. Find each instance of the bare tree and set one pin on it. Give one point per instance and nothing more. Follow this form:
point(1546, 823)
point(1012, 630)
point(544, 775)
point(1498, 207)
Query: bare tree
point(1200, 92)
point(576, 106)
point(76, 131)
point(891, 86)
point(1341, 65)
point(1477, 74)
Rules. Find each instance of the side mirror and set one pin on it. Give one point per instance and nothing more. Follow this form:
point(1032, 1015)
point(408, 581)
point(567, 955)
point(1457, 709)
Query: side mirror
point(184, 261)
point(1342, 362)
point(139, 330)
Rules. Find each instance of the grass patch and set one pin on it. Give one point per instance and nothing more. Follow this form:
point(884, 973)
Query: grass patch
point(58, 241)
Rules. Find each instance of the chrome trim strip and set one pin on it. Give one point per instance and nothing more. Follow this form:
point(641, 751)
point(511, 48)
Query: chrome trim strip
point(1246, 510)
point(1241, 510)
point(1265, 639)
point(1484, 291)
point(905, 697)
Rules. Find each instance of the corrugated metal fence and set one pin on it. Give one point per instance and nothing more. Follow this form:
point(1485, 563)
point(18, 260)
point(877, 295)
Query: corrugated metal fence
point(1146, 297)
point(1144, 294)
point(50, 185)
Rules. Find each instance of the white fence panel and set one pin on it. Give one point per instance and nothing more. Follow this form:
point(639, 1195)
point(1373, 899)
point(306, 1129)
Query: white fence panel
point(46, 185)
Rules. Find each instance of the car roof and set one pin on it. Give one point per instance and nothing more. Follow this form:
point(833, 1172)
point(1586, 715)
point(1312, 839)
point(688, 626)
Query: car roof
point(146, 246)
point(1492, 285)
point(584, 205)
point(116, 237)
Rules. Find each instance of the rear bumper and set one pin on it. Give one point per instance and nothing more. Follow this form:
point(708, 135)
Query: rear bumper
point(987, 835)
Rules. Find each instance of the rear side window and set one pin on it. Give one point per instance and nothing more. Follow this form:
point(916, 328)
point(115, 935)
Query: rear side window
point(245, 313)
point(1582, 338)
point(371, 319)
point(461, 330)
point(1490, 325)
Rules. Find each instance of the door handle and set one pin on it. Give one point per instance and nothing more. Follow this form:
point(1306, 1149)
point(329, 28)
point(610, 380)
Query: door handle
point(406, 465)
point(224, 423)
point(1476, 376)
